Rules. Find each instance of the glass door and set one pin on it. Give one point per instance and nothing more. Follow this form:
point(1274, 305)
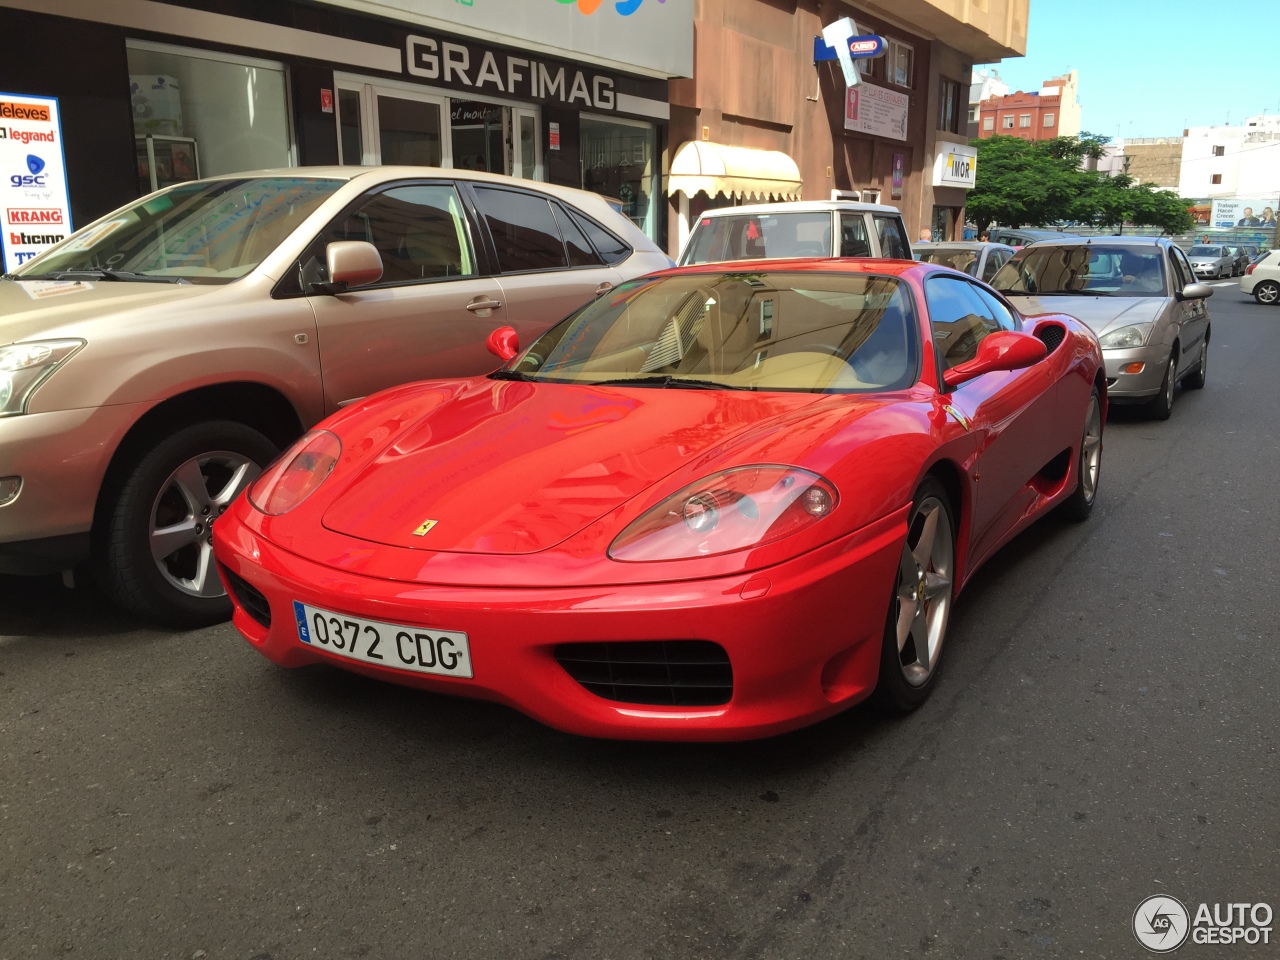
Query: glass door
point(380, 124)
point(526, 146)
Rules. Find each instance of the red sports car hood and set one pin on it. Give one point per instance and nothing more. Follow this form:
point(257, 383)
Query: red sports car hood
point(514, 468)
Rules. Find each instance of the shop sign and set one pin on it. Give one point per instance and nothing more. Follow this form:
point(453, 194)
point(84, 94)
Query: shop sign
point(649, 37)
point(35, 212)
point(876, 110)
point(956, 165)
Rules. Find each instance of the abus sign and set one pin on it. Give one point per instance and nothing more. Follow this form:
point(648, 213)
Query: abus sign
point(33, 178)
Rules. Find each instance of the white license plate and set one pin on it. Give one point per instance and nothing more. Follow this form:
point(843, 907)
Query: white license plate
point(443, 652)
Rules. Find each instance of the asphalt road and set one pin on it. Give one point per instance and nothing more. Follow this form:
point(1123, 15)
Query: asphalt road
point(1105, 730)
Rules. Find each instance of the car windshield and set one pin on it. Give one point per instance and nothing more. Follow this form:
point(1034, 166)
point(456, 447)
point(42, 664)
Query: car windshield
point(212, 231)
point(818, 332)
point(1083, 270)
point(774, 236)
point(1202, 251)
point(958, 258)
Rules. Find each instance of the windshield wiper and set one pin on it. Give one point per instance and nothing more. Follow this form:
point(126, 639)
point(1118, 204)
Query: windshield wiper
point(666, 380)
point(99, 273)
point(511, 375)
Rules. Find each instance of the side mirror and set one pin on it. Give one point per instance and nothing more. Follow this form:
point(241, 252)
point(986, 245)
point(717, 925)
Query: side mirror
point(351, 263)
point(1002, 350)
point(1195, 291)
point(503, 343)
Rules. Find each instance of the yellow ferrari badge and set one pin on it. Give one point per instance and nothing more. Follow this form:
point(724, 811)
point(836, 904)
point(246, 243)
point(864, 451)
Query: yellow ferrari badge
point(423, 530)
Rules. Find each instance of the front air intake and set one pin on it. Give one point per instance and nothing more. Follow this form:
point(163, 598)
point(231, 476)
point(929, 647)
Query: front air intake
point(676, 673)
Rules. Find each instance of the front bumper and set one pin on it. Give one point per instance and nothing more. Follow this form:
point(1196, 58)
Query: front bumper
point(1123, 386)
point(807, 648)
point(1210, 272)
point(61, 457)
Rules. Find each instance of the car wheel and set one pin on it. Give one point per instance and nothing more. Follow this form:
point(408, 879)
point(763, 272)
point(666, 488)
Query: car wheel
point(917, 622)
point(1196, 379)
point(155, 555)
point(1267, 292)
point(1161, 405)
point(1080, 504)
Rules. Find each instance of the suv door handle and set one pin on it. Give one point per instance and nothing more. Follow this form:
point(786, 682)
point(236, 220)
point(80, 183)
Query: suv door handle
point(483, 304)
point(603, 288)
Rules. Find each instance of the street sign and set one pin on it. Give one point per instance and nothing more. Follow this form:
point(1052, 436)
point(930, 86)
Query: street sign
point(860, 48)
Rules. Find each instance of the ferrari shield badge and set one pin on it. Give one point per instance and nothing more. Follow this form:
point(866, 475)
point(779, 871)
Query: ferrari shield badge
point(423, 530)
point(959, 417)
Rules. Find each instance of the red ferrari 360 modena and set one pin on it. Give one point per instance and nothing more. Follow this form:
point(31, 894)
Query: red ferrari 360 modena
point(716, 503)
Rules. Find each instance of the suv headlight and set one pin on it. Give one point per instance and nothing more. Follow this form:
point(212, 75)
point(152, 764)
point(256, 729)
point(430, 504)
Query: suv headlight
point(24, 366)
point(1134, 335)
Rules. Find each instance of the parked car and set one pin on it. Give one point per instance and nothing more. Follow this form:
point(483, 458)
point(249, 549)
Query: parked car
point(980, 260)
point(1262, 279)
point(811, 228)
point(1018, 237)
point(159, 358)
point(1240, 259)
point(1138, 294)
point(643, 525)
point(1211, 261)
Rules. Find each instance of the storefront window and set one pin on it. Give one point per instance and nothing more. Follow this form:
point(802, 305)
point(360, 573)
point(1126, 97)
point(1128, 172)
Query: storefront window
point(618, 163)
point(478, 143)
point(198, 113)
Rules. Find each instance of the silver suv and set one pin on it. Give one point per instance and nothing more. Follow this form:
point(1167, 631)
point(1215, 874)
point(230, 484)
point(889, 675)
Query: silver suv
point(793, 230)
point(155, 361)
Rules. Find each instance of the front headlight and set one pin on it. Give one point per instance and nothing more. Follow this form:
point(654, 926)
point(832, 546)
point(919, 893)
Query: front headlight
point(731, 510)
point(297, 474)
point(24, 366)
point(1134, 335)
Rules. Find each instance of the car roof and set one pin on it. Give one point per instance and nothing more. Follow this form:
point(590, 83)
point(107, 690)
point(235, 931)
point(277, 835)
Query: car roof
point(799, 206)
point(874, 265)
point(1074, 241)
point(976, 245)
point(1031, 232)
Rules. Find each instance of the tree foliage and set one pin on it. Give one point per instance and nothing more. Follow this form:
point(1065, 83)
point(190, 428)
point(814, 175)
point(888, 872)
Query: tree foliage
point(1043, 182)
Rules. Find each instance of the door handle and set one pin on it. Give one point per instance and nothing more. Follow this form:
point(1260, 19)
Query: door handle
point(603, 288)
point(480, 304)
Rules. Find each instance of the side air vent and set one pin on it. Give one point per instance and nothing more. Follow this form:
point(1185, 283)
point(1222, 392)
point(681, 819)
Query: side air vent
point(249, 597)
point(1051, 335)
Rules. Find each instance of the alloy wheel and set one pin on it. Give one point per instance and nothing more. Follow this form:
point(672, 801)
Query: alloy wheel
point(1091, 450)
point(924, 591)
point(1268, 293)
point(181, 527)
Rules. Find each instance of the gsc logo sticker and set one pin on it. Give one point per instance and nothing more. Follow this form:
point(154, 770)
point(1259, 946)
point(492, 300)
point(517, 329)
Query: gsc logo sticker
point(36, 178)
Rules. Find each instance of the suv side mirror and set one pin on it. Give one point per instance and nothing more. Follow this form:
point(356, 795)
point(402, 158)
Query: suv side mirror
point(1002, 350)
point(351, 263)
point(1195, 291)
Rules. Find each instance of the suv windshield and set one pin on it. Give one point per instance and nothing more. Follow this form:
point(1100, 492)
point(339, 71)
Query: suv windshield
point(1083, 270)
point(211, 231)
point(1202, 251)
point(746, 331)
point(773, 236)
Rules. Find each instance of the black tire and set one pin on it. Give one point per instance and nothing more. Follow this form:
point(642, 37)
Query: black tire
point(1196, 379)
point(1079, 505)
point(1267, 293)
point(894, 692)
point(1160, 406)
point(153, 494)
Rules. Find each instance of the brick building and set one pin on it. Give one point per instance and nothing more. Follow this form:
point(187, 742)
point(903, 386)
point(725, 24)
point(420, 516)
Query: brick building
point(1051, 111)
point(763, 121)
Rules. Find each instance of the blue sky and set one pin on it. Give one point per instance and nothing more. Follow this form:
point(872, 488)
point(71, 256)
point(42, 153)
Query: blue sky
point(1149, 68)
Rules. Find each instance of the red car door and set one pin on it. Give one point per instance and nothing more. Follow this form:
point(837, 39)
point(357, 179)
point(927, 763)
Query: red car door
point(1011, 412)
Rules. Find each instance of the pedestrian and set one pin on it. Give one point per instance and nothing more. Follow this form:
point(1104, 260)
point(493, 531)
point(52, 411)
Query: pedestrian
point(926, 235)
point(983, 237)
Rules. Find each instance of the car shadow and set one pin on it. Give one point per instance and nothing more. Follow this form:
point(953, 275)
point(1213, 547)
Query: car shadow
point(44, 607)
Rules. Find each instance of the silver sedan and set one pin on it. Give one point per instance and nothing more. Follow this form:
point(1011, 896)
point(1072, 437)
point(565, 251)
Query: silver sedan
point(980, 260)
point(1138, 294)
point(1212, 261)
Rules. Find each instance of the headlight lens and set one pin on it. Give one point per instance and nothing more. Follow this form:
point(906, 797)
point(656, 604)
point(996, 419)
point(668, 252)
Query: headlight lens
point(731, 510)
point(1131, 336)
point(297, 474)
point(24, 366)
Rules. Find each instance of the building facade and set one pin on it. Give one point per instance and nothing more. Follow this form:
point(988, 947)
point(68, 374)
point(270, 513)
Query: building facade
point(761, 120)
point(983, 85)
point(1052, 111)
point(152, 93)
point(1232, 161)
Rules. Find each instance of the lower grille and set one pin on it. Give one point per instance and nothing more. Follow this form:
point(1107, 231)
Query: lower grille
point(1111, 381)
point(249, 597)
point(680, 673)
